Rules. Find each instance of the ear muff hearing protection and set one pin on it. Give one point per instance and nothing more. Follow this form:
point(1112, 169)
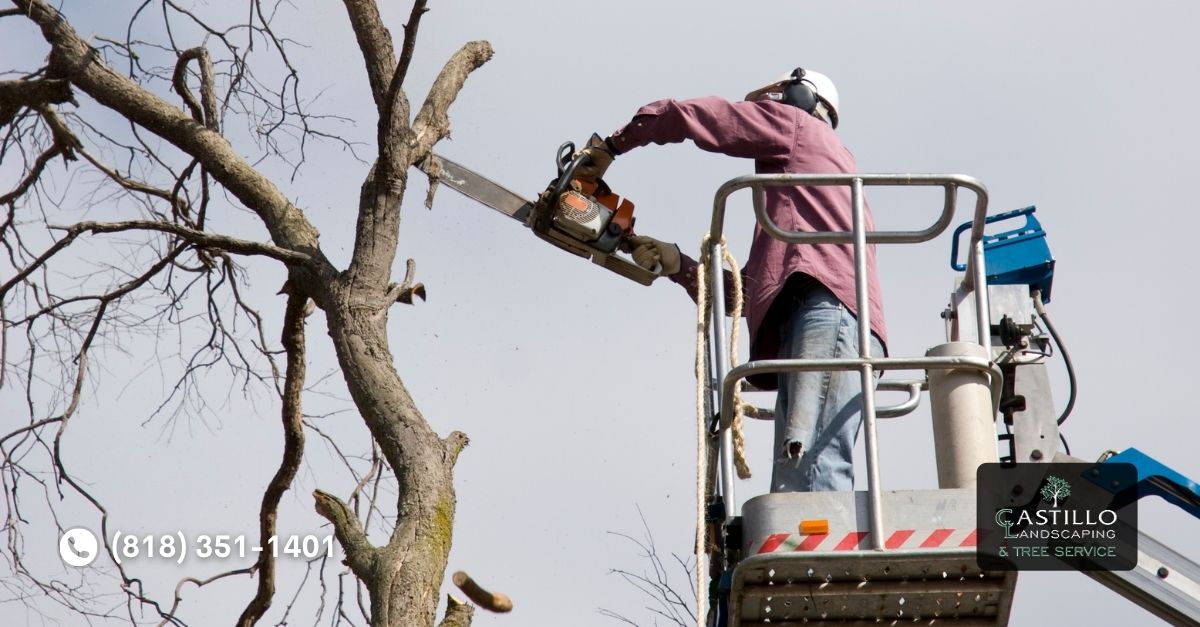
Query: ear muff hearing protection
point(799, 93)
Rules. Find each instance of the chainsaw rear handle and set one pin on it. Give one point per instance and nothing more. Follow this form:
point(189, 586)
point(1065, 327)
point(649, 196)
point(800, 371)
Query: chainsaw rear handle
point(628, 269)
point(608, 261)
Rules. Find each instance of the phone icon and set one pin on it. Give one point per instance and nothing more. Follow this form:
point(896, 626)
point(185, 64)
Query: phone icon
point(78, 547)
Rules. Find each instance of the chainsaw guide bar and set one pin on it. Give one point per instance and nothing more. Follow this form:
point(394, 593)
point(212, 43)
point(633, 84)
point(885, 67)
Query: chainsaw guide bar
point(579, 217)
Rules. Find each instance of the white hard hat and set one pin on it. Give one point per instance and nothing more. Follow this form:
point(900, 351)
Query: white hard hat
point(812, 91)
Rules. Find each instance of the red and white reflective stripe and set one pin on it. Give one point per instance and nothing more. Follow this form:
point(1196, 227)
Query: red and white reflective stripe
point(857, 540)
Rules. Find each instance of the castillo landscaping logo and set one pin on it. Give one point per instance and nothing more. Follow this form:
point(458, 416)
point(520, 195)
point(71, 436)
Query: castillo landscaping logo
point(1049, 517)
point(1055, 488)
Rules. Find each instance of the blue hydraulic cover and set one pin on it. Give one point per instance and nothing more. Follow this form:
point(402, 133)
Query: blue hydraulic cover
point(1016, 257)
point(1154, 478)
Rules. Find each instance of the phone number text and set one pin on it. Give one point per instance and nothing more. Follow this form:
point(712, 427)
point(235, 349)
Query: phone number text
point(177, 546)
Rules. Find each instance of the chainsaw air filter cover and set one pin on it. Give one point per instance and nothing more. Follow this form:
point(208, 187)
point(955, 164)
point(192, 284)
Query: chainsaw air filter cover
point(580, 216)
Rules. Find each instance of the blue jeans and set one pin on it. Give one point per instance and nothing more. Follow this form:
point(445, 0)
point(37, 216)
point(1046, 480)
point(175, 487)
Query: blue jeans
point(818, 414)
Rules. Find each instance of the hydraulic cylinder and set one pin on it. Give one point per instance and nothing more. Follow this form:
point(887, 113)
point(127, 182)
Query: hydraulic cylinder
point(964, 427)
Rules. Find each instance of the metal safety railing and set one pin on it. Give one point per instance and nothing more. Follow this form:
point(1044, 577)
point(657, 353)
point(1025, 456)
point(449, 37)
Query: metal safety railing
point(865, 363)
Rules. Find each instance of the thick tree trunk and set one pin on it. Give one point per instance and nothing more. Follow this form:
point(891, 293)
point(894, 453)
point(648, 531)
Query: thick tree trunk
point(404, 575)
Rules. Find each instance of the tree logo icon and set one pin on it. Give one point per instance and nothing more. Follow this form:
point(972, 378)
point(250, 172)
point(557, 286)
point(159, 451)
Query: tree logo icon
point(1055, 488)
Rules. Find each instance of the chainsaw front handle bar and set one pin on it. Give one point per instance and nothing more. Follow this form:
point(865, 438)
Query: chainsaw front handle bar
point(566, 165)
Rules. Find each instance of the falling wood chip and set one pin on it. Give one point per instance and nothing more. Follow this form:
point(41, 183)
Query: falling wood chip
point(491, 601)
point(433, 170)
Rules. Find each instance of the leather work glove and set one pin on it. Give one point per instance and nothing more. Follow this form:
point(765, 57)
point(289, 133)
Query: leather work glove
point(602, 157)
point(650, 253)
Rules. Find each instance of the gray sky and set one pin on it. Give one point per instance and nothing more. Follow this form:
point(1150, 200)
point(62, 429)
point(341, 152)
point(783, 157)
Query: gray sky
point(576, 386)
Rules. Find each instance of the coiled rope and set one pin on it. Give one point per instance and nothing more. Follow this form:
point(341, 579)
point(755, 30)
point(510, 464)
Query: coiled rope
point(703, 396)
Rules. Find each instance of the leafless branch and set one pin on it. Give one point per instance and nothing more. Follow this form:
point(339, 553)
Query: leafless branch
point(300, 588)
point(77, 61)
point(64, 143)
point(432, 123)
point(34, 93)
point(375, 42)
point(63, 137)
point(198, 238)
point(169, 615)
point(131, 184)
point(393, 110)
point(204, 112)
point(293, 452)
point(360, 555)
point(37, 263)
point(419, 8)
point(131, 586)
point(656, 584)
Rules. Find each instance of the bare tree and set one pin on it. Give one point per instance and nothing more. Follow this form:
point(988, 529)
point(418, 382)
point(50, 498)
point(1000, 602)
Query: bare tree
point(669, 604)
point(175, 258)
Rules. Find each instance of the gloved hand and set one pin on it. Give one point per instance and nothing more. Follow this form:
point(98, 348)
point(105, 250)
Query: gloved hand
point(602, 157)
point(649, 253)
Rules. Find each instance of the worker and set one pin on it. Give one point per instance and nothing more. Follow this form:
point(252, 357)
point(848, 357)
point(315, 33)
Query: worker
point(800, 299)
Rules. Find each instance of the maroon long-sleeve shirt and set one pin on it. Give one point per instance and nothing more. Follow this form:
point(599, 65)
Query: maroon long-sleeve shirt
point(780, 138)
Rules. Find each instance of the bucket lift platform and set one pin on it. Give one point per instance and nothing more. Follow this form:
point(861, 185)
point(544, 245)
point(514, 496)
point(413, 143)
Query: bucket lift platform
point(879, 557)
point(926, 574)
point(870, 557)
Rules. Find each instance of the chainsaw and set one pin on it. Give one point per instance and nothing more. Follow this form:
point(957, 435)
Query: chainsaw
point(581, 217)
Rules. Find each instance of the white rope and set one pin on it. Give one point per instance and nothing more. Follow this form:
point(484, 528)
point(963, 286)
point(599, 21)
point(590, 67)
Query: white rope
point(703, 394)
point(703, 307)
point(702, 316)
point(739, 439)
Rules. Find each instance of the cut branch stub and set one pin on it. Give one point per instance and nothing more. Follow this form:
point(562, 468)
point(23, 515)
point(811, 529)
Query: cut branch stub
point(404, 292)
point(31, 93)
point(360, 554)
point(407, 294)
point(458, 613)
